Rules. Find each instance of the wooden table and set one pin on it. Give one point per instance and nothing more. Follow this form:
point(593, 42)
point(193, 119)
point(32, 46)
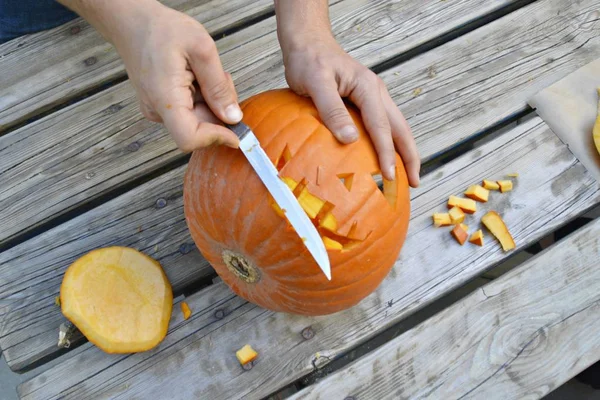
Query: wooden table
point(80, 168)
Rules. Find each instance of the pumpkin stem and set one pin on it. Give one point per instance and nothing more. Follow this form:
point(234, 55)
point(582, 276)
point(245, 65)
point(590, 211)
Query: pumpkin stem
point(241, 267)
point(65, 333)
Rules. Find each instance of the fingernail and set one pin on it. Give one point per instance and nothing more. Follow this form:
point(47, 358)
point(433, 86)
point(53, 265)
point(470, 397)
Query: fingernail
point(348, 134)
point(392, 172)
point(233, 113)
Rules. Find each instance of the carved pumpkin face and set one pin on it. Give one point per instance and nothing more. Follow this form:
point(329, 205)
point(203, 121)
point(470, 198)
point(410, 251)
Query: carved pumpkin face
point(245, 236)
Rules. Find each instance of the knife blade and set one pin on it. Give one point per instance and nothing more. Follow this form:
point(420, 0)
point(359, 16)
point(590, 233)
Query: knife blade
point(268, 174)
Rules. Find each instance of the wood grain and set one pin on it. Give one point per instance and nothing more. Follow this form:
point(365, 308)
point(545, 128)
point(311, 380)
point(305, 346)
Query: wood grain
point(42, 70)
point(82, 151)
point(552, 188)
point(519, 337)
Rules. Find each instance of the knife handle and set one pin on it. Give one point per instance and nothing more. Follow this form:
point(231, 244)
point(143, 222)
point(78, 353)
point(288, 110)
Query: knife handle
point(240, 129)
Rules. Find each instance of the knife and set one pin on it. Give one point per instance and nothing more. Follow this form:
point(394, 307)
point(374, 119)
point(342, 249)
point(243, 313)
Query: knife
point(282, 194)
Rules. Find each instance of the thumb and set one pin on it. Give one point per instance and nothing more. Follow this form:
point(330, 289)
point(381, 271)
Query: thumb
point(333, 112)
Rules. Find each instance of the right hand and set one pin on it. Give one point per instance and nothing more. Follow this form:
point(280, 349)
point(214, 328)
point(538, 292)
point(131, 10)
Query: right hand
point(175, 68)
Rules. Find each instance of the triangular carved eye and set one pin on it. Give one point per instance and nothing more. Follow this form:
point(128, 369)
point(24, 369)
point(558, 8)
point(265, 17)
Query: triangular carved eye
point(284, 158)
point(346, 179)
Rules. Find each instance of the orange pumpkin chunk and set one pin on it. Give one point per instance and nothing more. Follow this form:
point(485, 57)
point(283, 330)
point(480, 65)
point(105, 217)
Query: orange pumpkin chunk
point(185, 309)
point(464, 227)
point(513, 175)
point(490, 185)
point(331, 244)
point(457, 215)
point(494, 223)
point(442, 220)
point(246, 354)
point(478, 193)
point(460, 234)
point(467, 205)
point(505, 186)
point(477, 238)
point(119, 298)
point(328, 222)
point(310, 203)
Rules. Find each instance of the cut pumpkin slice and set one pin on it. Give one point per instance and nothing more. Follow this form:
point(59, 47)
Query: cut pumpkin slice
point(119, 298)
point(494, 223)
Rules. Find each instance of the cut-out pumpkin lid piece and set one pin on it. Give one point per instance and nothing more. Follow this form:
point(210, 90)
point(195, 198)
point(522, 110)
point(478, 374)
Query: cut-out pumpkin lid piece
point(119, 298)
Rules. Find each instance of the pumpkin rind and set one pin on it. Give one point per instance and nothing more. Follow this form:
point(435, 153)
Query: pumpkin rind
point(120, 299)
point(230, 212)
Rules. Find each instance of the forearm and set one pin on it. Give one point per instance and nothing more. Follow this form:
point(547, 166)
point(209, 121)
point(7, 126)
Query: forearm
point(299, 20)
point(113, 18)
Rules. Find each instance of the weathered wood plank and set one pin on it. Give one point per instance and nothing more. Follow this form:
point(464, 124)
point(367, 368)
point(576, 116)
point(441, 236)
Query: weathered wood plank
point(552, 189)
point(42, 70)
point(57, 156)
point(520, 336)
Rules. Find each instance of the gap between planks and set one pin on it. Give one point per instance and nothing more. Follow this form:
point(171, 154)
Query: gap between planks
point(103, 143)
point(553, 188)
point(521, 336)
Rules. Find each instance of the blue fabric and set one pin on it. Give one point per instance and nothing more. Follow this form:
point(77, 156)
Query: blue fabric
point(19, 17)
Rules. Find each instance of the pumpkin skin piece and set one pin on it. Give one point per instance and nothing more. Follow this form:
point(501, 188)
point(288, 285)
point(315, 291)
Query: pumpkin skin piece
point(119, 298)
point(237, 227)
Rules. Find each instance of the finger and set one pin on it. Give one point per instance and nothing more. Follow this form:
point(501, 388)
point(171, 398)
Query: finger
point(367, 97)
point(403, 139)
point(194, 128)
point(333, 111)
point(218, 91)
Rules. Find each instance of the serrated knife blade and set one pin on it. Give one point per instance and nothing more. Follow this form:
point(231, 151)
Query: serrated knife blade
point(268, 174)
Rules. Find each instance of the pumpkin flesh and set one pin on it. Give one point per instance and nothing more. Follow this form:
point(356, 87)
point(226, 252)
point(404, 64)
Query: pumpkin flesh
point(119, 298)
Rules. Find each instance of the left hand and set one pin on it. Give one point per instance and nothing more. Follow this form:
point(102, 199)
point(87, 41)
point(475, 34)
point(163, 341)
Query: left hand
point(318, 67)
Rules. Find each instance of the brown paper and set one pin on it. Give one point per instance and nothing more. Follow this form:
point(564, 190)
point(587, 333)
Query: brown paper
point(570, 108)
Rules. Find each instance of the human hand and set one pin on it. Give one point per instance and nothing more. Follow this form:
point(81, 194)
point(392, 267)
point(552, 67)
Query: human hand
point(316, 66)
point(174, 66)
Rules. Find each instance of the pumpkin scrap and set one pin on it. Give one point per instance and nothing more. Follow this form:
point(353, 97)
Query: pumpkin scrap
point(477, 238)
point(467, 205)
point(513, 175)
point(505, 186)
point(494, 223)
point(490, 185)
point(460, 234)
point(185, 309)
point(457, 215)
point(120, 299)
point(478, 193)
point(246, 354)
point(442, 219)
point(250, 243)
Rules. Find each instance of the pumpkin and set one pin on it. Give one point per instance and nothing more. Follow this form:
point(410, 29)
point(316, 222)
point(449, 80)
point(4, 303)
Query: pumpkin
point(118, 298)
point(244, 235)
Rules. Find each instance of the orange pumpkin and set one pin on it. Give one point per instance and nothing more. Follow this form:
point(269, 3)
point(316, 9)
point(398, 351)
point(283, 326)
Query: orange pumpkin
point(245, 236)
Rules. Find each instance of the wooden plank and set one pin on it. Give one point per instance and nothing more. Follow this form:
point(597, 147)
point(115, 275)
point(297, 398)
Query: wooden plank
point(552, 189)
point(520, 336)
point(87, 153)
point(76, 59)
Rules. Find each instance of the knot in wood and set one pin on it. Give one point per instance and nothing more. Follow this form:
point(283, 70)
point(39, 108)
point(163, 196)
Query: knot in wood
point(185, 248)
point(161, 203)
point(219, 314)
point(308, 333)
point(133, 146)
point(75, 30)
point(90, 61)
